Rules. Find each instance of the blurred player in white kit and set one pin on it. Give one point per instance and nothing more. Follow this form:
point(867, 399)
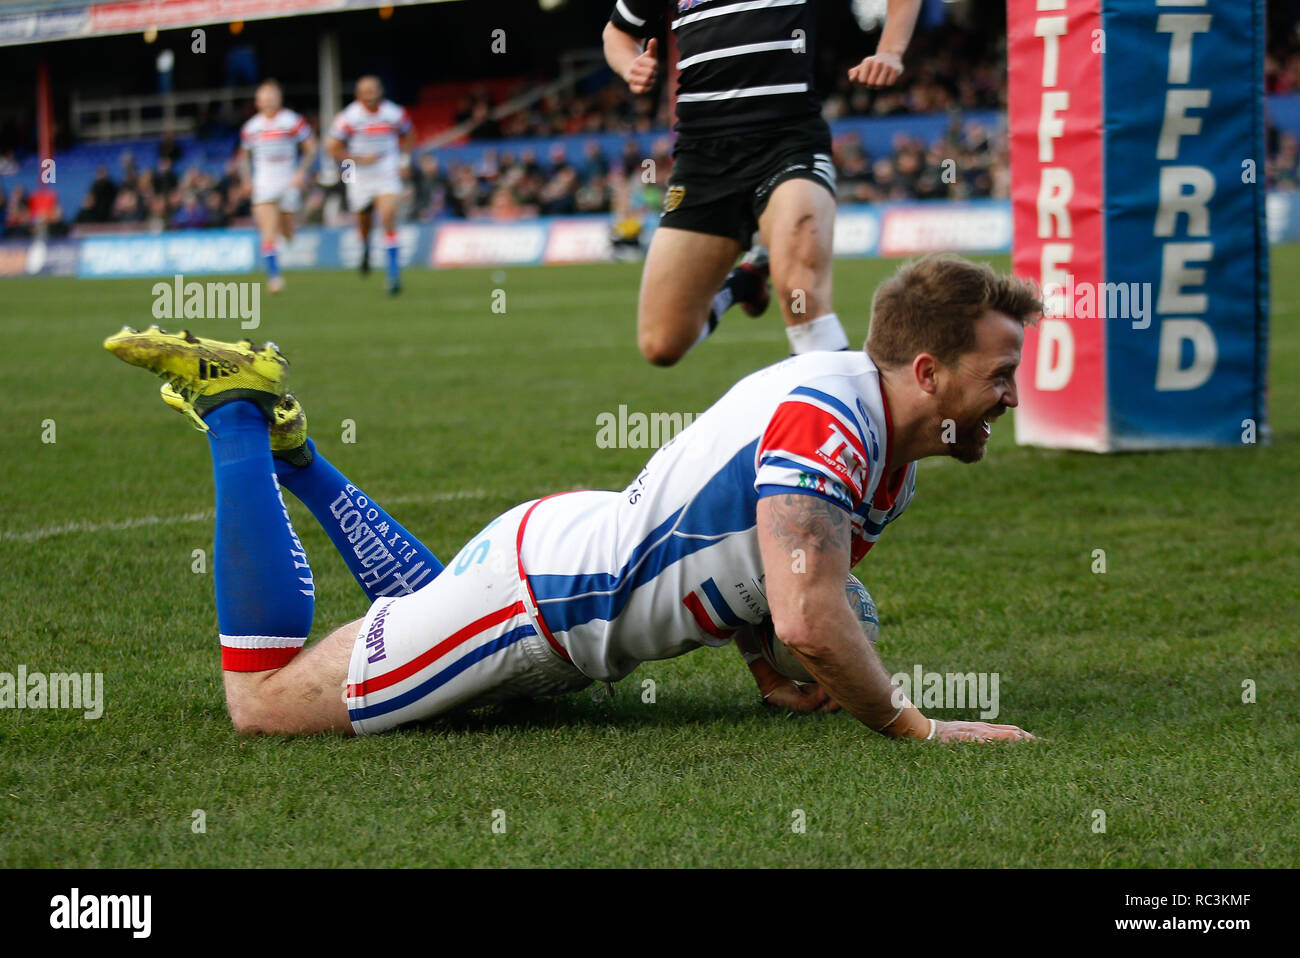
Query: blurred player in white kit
point(280, 147)
point(373, 138)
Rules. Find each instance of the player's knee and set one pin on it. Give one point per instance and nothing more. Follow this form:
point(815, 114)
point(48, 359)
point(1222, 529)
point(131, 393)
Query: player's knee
point(249, 715)
point(246, 720)
point(658, 349)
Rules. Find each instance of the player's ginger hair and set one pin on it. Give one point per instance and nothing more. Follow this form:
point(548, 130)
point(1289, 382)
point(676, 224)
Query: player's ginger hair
point(930, 305)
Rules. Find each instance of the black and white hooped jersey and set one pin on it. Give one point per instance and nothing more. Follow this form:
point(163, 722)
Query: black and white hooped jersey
point(743, 65)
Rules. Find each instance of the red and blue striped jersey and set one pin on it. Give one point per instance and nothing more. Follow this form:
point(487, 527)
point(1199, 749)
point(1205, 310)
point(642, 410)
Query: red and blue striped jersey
point(672, 562)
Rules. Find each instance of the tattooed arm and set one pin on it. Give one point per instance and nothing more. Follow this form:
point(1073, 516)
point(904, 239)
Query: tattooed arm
point(805, 542)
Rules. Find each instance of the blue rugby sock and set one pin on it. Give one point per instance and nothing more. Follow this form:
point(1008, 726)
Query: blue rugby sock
point(383, 557)
point(272, 261)
point(391, 250)
point(265, 594)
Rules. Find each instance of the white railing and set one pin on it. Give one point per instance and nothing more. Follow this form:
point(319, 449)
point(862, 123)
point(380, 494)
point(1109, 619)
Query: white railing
point(124, 117)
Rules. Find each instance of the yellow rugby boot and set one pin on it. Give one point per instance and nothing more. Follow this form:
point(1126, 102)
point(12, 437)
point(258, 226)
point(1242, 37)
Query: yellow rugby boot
point(205, 373)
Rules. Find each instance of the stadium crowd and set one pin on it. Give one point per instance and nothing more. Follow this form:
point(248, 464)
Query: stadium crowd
point(950, 76)
point(505, 183)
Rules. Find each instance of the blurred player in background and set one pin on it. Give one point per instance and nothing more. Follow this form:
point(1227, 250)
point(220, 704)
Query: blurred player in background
point(270, 142)
point(373, 139)
point(752, 153)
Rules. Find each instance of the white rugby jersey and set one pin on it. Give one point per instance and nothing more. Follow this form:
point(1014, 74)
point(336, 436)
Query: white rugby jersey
point(272, 142)
point(372, 134)
point(672, 562)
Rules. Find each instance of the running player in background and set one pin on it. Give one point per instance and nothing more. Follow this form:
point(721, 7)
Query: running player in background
point(756, 510)
point(270, 142)
point(373, 139)
point(752, 153)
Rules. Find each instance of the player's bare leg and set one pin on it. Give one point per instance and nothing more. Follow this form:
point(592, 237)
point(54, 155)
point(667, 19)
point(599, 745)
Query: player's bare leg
point(797, 227)
point(386, 207)
point(363, 227)
point(286, 225)
point(683, 271)
point(268, 218)
point(305, 697)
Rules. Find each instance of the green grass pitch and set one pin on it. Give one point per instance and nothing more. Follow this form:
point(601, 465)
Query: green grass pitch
point(1134, 678)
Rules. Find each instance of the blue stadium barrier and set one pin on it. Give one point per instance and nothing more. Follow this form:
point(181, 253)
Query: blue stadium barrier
point(889, 229)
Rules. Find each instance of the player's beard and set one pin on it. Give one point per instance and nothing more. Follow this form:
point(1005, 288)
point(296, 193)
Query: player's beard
point(971, 443)
point(972, 438)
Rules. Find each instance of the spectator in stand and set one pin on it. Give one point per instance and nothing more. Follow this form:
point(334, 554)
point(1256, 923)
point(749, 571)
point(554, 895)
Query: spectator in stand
point(594, 163)
point(18, 221)
point(128, 206)
point(558, 195)
point(97, 207)
point(45, 212)
point(164, 177)
point(1284, 166)
point(593, 196)
point(168, 148)
point(214, 206)
point(431, 188)
point(156, 212)
point(191, 215)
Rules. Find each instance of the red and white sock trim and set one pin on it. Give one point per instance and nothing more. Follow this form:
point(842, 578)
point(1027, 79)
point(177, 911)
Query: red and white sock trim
point(257, 653)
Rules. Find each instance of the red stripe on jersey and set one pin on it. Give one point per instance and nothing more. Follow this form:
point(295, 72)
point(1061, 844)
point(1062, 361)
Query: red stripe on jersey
point(523, 577)
point(812, 433)
point(422, 660)
point(890, 485)
point(696, 607)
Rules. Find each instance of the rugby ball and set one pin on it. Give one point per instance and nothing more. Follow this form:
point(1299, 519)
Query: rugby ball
point(776, 654)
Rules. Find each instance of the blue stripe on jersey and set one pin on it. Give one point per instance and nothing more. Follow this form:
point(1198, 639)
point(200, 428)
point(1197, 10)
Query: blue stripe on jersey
point(835, 404)
point(771, 490)
point(443, 677)
point(770, 460)
point(720, 604)
point(723, 506)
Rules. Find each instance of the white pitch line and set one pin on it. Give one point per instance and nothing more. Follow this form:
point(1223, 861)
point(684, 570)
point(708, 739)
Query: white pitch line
point(68, 528)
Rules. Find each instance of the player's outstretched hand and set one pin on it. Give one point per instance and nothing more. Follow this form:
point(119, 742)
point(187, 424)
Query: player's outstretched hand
point(641, 74)
point(978, 732)
point(883, 69)
point(794, 697)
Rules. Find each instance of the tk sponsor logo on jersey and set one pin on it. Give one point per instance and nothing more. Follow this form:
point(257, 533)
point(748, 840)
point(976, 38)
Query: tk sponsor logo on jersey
point(839, 453)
